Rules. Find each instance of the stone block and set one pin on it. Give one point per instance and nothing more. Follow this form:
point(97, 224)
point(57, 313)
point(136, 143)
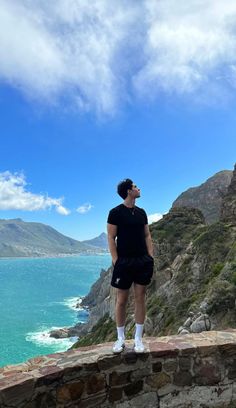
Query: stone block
point(227, 350)
point(232, 370)
point(119, 378)
point(157, 367)
point(140, 374)
point(170, 365)
point(206, 374)
point(48, 374)
point(184, 363)
point(130, 358)
point(95, 383)
point(158, 380)
point(80, 370)
point(147, 400)
point(134, 388)
point(70, 392)
point(22, 390)
point(115, 394)
point(105, 363)
point(182, 378)
point(45, 400)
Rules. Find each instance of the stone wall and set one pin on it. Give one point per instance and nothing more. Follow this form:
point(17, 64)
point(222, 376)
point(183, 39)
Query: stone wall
point(184, 371)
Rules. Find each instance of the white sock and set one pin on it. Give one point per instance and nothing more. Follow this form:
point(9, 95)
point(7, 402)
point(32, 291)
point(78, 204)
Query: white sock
point(121, 332)
point(138, 331)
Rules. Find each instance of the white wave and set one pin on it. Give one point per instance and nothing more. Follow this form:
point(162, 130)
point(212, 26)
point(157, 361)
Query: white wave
point(72, 303)
point(42, 338)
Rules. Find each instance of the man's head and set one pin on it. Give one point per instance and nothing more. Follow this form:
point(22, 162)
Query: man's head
point(127, 188)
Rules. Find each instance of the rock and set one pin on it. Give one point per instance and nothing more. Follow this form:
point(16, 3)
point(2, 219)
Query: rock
point(59, 333)
point(188, 322)
point(204, 306)
point(228, 208)
point(202, 323)
point(184, 331)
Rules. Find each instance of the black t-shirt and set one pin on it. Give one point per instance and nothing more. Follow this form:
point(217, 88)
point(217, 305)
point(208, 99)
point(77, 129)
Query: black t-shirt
point(130, 230)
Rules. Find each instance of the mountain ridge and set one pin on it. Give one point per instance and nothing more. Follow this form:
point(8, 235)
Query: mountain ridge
point(19, 238)
point(208, 196)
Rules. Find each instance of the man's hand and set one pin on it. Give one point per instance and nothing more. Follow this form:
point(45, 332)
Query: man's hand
point(114, 260)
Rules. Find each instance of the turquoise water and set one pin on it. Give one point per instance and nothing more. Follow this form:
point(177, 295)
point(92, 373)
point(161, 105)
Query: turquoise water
point(37, 295)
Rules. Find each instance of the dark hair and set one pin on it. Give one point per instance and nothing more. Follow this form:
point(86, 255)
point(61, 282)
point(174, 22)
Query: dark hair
point(123, 186)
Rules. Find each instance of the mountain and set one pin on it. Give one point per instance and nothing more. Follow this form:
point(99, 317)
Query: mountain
point(207, 197)
point(194, 282)
point(19, 238)
point(228, 208)
point(100, 241)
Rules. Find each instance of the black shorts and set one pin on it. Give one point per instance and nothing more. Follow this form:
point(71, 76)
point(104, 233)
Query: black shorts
point(127, 270)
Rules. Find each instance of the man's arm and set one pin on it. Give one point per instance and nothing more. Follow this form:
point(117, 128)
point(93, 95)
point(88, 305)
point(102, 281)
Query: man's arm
point(112, 233)
point(148, 240)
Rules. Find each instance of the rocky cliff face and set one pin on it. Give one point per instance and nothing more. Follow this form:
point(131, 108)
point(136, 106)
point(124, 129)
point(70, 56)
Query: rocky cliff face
point(228, 209)
point(207, 197)
point(194, 284)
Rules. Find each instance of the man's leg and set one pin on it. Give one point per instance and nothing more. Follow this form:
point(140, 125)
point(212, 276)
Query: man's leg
point(140, 311)
point(140, 307)
point(121, 302)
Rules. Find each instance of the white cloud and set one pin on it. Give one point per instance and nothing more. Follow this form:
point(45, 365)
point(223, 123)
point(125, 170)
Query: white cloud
point(96, 56)
point(13, 196)
point(154, 217)
point(84, 208)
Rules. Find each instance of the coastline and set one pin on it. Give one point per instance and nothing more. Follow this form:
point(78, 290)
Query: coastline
point(74, 255)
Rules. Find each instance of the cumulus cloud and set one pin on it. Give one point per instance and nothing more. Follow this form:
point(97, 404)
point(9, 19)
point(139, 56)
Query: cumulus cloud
point(97, 56)
point(14, 196)
point(84, 208)
point(154, 217)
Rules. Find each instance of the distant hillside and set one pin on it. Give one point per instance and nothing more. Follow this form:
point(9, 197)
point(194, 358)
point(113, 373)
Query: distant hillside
point(207, 197)
point(100, 241)
point(19, 238)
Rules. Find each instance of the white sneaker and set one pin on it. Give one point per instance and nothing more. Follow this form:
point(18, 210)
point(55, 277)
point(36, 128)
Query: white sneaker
point(118, 346)
point(138, 346)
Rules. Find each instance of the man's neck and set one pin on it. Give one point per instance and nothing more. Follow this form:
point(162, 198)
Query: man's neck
point(129, 202)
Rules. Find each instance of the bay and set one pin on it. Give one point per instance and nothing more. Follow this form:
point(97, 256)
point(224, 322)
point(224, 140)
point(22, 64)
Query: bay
point(38, 295)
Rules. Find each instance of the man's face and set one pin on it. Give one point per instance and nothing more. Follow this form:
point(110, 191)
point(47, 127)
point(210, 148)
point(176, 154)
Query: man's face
point(135, 192)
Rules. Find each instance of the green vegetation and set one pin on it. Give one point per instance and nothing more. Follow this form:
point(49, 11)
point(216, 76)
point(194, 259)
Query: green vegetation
point(104, 330)
point(214, 242)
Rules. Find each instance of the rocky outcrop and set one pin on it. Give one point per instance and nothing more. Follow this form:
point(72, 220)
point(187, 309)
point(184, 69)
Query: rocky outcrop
point(207, 197)
point(228, 209)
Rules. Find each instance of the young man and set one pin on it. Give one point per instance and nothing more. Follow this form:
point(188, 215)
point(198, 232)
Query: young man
point(131, 249)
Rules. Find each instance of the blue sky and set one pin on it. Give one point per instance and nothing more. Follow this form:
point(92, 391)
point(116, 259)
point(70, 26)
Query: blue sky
point(89, 97)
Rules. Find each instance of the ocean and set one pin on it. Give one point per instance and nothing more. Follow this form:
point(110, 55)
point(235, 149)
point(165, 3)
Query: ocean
point(38, 295)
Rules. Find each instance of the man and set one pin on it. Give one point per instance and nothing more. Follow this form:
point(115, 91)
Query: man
point(131, 249)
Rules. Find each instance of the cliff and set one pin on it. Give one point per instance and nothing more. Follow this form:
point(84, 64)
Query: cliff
point(207, 197)
point(228, 209)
